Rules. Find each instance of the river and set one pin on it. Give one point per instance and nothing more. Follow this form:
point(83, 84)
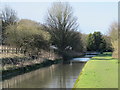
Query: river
point(54, 76)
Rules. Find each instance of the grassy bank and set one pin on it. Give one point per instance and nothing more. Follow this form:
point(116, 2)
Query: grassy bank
point(100, 72)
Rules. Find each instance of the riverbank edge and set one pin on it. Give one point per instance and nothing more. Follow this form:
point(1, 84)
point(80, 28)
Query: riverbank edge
point(76, 82)
point(7, 74)
point(79, 76)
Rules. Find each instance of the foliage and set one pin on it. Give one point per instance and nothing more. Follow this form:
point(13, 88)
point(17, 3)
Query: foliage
point(28, 35)
point(90, 42)
point(96, 42)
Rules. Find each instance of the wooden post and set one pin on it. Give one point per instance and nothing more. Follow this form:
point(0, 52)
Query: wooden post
point(16, 50)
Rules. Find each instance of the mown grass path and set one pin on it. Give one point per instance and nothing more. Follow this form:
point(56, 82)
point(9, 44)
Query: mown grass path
point(100, 72)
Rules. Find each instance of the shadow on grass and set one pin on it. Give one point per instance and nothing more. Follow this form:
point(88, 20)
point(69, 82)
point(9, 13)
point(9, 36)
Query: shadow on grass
point(104, 56)
point(102, 59)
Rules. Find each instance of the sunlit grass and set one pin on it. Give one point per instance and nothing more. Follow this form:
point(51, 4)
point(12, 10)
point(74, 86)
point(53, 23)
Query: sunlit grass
point(100, 72)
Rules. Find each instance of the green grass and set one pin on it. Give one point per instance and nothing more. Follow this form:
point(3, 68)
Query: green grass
point(100, 72)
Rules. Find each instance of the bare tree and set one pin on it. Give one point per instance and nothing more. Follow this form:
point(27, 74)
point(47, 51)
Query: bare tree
point(113, 32)
point(8, 16)
point(63, 26)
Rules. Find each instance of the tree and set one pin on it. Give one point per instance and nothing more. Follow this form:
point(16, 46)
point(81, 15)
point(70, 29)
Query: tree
point(90, 43)
point(8, 17)
point(28, 35)
point(0, 32)
point(113, 33)
point(84, 40)
point(96, 42)
point(63, 27)
point(109, 46)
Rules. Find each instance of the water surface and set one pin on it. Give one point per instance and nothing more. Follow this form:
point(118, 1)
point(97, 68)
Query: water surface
point(55, 76)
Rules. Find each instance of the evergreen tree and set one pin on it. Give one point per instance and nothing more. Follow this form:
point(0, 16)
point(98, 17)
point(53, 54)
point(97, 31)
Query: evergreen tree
point(96, 42)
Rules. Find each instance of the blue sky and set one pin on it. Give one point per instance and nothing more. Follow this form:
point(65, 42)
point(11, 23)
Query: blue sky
point(92, 16)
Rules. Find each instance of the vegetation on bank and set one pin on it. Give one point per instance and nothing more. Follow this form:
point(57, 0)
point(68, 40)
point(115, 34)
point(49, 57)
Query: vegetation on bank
point(100, 72)
point(11, 72)
point(17, 61)
point(27, 35)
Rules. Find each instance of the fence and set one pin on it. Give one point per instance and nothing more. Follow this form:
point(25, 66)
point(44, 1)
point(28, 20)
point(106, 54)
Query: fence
point(12, 50)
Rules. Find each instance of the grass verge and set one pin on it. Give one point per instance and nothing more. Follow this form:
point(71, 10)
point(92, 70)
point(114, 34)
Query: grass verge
point(100, 72)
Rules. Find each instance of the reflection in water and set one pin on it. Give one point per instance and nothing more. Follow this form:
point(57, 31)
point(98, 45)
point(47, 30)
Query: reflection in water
point(55, 76)
point(81, 59)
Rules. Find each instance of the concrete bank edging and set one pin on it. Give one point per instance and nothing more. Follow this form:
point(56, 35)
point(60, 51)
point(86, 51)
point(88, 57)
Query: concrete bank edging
point(80, 74)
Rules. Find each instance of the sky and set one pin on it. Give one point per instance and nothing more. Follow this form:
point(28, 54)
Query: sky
point(92, 16)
